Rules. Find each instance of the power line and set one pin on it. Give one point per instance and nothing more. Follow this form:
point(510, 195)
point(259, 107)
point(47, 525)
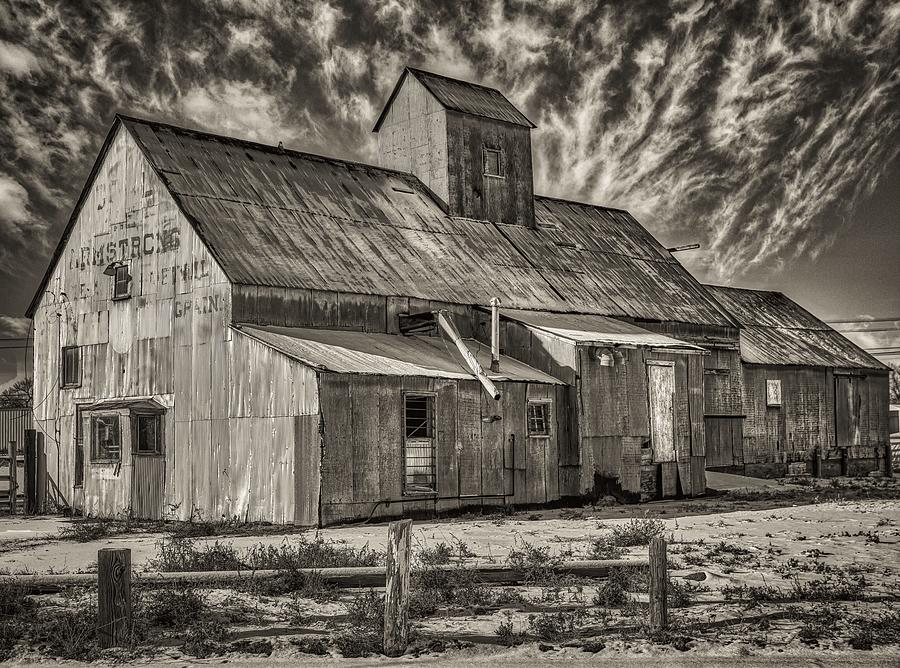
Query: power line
point(870, 329)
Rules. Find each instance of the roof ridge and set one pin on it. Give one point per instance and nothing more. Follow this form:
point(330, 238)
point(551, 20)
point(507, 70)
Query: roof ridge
point(265, 147)
point(581, 203)
point(419, 70)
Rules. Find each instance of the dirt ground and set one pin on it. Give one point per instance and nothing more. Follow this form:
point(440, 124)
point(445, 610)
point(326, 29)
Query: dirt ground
point(765, 540)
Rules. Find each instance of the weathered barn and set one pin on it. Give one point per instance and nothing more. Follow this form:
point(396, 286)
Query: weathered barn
point(228, 328)
point(811, 395)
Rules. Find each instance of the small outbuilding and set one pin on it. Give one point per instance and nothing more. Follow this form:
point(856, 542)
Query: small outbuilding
point(815, 402)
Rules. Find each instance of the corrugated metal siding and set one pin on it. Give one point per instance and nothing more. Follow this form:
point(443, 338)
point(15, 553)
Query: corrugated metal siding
point(281, 218)
point(778, 331)
point(13, 423)
point(387, 354)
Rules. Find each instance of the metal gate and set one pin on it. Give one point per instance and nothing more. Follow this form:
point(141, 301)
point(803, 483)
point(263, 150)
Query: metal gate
point(13, 423)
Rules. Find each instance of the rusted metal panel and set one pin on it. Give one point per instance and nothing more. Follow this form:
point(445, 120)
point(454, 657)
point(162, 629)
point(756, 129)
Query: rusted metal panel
point(457, 95)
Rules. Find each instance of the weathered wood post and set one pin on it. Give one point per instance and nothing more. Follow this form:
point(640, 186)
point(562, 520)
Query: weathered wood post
point(31, 473)
point(659, 581)
point(114, 595)
point(396, 589)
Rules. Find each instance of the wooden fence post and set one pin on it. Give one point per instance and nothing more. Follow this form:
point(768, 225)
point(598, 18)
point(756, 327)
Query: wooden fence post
point(114, 595)
point(31, 477)
point(659, 581)
point(396, 589)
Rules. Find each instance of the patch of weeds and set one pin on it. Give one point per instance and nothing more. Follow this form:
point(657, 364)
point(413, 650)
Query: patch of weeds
point(178, 554)
point(680, 593)
point(613, 593)
point(68, 634)
point(175, 607)
point(536, 563)
point(752, 595)
point(260, 647)
point(14, 600)
point(817, 624)
point(206, 638)
point(604, 547)
point(308, 584)
point(571, 514)
point(636, 532)
point(862, 638)
point(93, 528)
point(840, 587)
point(366, 612)
point(315, 646)
point(885, 628)
point(507, 635)
point(356, 644)
point(458, 587)
point(557, 626)
point(593, 646)
point(435, 556)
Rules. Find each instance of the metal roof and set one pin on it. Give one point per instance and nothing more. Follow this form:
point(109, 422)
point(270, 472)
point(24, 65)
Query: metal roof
point(776, 330)
point(595, 329)
point(343, 351)
point(276, 217)
point(461, 96)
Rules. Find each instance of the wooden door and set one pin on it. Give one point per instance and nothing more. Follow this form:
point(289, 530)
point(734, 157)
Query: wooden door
point(661, 387)
point(846, 411)
point(148, 475)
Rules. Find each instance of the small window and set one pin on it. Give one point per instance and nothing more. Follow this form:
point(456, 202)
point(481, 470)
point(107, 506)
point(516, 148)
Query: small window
point(773, 393)
point(121, 282)
point(538, 418)
point(493, 166)
point(106, 444)
point(895, 421)
point(418, 419)
point(148, 434)
point(71, 366)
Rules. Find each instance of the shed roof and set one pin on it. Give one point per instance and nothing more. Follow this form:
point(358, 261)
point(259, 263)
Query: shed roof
point(776, 330)
point(462, 96)
point(595, 329)
point(343, 351)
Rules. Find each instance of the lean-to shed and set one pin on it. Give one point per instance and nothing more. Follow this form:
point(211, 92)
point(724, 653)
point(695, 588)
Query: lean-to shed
point(812, 397)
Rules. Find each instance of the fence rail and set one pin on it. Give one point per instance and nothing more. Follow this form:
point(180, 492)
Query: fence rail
point(115, 576)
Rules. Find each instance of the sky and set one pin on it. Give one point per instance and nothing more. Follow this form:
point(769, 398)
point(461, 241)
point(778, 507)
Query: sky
point(768, 132)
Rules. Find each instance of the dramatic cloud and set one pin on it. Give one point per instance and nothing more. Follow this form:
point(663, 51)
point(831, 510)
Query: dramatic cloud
point(754, 128)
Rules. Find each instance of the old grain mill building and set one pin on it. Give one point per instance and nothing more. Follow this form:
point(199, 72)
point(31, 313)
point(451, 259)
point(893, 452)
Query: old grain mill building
point(229, 329)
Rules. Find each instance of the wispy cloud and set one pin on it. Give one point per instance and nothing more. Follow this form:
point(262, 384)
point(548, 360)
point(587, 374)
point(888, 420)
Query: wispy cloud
point(736, 124)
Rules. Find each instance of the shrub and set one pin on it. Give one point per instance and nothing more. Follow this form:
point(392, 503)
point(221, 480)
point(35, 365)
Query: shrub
point(308, 584)
point(537, 564)
point(69, 634)
point(680, 593)
point(603, 547)
point(507, 635)
point(174, 607)
point(206, 638)
point(315, 646)
point(459, 586)
point(840, 587)
point(753, 595)
point(353, 644)
point(556, 625)
point(435, 556)
point(366, 621)
point(613, 593)
point(91, 529)
point(636, 532)
point(14, 599)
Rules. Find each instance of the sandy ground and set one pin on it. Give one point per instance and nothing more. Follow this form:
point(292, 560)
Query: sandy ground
point(714, 542)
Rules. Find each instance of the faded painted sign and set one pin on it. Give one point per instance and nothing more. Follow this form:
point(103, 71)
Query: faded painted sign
point(103, 252)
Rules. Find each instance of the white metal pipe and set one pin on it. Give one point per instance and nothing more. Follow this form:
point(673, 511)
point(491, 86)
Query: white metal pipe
point(446, 324)
point(495, 335)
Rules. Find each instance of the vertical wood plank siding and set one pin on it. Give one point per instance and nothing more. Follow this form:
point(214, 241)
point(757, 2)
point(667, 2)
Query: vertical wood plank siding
point(363, 456)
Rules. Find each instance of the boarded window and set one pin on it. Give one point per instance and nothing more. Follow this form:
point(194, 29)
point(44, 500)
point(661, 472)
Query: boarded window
point(492, 163)
point(148, 434)
point(71, 366)
point(895, 422)
point(106, 443)
point(418, 417)
point(538, 418)
point(121, 282)
point(773, 393)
